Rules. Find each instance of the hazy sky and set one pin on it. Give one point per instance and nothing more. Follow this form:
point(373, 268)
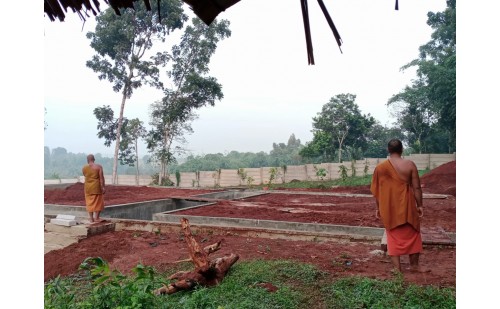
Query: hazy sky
point(269, 89)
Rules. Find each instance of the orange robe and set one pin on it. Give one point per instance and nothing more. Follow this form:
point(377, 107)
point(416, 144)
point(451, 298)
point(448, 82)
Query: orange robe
point(94, 199)
point(398, 210)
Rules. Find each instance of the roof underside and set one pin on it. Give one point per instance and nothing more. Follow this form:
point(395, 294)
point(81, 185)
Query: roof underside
point(206, 10)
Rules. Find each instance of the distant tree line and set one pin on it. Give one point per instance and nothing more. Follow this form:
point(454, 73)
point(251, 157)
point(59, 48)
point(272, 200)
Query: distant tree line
point(61, 164)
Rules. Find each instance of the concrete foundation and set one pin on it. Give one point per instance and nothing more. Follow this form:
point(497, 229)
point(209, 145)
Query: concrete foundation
point(160, 214)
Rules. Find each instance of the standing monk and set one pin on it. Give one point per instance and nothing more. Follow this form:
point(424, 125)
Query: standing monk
point(396, 187)
point(94, 188)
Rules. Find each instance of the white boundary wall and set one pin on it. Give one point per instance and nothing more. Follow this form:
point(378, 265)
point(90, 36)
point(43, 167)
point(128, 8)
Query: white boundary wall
point(230, 177)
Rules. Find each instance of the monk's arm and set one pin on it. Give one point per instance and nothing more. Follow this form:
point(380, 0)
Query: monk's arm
point(101, 178)
point(417, 189)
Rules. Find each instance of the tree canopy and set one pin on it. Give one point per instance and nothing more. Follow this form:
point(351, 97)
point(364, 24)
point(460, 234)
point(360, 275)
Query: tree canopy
point(426, 110)
point(192, 88)
point(339, 123)
point(121, 43)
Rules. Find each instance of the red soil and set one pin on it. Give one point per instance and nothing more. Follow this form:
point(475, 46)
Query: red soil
point(125, 249)
point(116, 195)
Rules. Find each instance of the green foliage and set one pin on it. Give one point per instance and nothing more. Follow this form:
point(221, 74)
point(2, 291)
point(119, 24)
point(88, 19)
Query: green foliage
point(298, 286)
point(250, 181)
point(366, 168)
point(353, 168)
point(177, 178)
point(283, 154)
point(320, 172)
point(68, 165)
point(111, 289)
point(343, 172)
point(216, 177)
point(165, 181)
point(426, 110)
point(54, 176)
point(131, 132)
point(340, 122)
point(122, 44)
point(274, 173)
point(242, 174)
point(358, 292)
point(321, 148)
point(191, 88)
point(59, 293)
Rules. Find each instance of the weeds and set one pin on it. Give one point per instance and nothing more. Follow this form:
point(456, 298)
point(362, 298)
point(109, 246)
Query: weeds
point(298, 285)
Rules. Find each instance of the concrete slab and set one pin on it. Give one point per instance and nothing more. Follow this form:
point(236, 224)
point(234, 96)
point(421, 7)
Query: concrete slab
point(77, 230)
point(66, 217)
point(50, 247)
point(55, 241)
point(63, 222)
point(59, 239)
point(58, 236)
point(330, 229)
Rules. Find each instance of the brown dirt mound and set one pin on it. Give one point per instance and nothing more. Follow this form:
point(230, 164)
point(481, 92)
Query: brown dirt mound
point(441, 180)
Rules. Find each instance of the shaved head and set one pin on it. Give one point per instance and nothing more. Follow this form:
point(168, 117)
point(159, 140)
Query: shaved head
point(90, 158)
point(395, 146)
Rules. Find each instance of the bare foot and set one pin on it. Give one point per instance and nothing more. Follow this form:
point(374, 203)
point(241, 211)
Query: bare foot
point(396, 272)
point(98, 220)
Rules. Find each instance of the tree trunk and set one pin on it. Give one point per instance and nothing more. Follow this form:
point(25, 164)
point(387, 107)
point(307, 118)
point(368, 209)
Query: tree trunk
point(136, 164)
point(118, 135)
point(206, 272)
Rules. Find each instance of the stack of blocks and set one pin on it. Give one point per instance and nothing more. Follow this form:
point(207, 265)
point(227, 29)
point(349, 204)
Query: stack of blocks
point(65, 220)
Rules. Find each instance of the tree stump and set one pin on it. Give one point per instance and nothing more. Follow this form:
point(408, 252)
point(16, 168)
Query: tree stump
point(206, 273)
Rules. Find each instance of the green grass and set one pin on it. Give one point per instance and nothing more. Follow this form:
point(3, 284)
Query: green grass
point(299, 286)
point(358, 292)
point(326, 184)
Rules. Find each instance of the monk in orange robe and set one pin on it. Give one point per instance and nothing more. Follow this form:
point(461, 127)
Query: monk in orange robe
point(396, 187)
point(94, 188)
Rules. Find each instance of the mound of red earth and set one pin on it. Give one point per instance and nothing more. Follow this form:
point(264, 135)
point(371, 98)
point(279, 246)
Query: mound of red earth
point(441, 180)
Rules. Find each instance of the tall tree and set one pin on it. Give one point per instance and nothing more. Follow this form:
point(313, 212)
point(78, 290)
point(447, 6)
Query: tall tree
point(192, 88)
point(121, 43)
point(131, 131)
point(168, 124)
point(414, 114)
point(135, 130)
point(378, 137)
point(320, 149)
point(286, 154)
point(436, 71)
point(342, 122)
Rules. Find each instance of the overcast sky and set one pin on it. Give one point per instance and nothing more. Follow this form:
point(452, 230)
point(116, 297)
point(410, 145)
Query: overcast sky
point(269, 89)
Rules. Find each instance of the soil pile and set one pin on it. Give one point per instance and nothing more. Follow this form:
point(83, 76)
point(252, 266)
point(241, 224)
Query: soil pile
point(441, 180)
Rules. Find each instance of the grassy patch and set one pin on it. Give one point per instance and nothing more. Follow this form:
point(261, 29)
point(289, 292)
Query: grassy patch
point(297, 285)
point(326, 184)
point(358, 292)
